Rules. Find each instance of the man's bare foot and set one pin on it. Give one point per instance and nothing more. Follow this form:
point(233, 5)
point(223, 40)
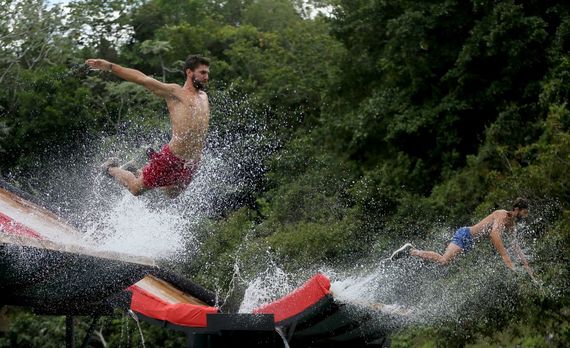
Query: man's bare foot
point(109, 163)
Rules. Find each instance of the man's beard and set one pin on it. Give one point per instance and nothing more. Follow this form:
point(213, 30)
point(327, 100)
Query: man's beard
point(199, 85)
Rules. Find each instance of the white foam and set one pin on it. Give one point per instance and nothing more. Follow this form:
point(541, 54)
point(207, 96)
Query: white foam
point(136, 229)
point(269, 286)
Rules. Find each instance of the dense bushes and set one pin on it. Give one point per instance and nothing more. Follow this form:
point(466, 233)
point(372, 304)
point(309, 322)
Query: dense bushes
point(388, 120)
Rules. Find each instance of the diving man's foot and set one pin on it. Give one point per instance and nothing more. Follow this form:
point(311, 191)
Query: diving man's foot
point(111, 162)
point(403, 251)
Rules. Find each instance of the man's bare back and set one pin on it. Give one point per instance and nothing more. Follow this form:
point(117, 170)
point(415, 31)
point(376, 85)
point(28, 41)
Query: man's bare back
point(173, 166)
point(498, 220)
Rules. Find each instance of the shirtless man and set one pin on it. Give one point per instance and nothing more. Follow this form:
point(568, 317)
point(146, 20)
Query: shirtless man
point(492, 226)
point(174, 165)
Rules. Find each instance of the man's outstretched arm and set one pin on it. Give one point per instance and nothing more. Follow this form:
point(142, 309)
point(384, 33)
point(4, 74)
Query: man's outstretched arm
point(159, 88)
point(496, 239)
point(520, 255)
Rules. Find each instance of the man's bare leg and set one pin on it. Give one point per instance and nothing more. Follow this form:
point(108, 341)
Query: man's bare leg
point(450, 253)
point(126, 178)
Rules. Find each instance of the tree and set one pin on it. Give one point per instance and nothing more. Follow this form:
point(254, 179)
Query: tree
point(31, 35)
point(438, 74)
point(157, 48)
point(100, 24)
point(271, 15)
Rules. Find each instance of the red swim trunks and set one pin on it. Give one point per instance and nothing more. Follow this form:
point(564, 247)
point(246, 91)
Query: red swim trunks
point(165, 169)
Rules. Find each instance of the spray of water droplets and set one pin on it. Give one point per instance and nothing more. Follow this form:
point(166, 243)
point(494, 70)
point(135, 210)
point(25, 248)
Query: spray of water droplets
point(401, 293)
point(152, 225)
point(407, 292)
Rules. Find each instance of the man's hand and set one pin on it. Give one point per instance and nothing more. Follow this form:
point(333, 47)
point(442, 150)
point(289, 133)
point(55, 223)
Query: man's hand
point(100, 64)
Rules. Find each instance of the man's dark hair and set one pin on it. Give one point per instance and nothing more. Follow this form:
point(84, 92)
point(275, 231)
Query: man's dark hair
point(521, 203)
point(193, 61)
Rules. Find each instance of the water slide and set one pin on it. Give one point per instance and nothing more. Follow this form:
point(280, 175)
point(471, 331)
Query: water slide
point(45, 264)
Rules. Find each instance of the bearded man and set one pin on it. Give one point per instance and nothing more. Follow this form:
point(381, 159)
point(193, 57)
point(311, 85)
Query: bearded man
point(173, 167)
point(493, 227)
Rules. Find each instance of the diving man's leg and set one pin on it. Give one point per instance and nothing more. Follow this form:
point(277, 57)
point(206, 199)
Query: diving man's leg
point(133, 183)
point(450, 253)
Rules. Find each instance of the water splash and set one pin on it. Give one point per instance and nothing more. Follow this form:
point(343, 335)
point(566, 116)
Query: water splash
point(125, 231)
point(408, 291)
point(151, 225)
point(268, 286)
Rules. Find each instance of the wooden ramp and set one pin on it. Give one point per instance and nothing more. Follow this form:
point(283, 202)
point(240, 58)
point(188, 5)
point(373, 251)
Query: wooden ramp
point(47, 265)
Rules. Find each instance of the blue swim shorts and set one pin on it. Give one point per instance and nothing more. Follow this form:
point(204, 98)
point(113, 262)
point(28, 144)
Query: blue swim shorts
point(462, 238)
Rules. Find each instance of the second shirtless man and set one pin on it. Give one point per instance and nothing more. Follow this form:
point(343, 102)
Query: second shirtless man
point(173, 167)
point(493, 226)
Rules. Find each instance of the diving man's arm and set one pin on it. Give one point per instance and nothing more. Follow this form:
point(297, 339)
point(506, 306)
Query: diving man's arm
point(523, 259)
point(161, 89)
point(495, 236)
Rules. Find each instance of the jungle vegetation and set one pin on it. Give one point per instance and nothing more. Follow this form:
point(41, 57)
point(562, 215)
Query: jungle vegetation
point(388, 118)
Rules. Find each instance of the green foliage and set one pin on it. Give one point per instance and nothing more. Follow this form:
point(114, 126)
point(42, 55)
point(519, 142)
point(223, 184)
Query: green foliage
point(305, 243)
point(271, 15)
point(153, 15)
point(219, 251)
point(27, 329)
point(31, 37)
point(392, 118)
point(51, 111)
point(434, 76)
